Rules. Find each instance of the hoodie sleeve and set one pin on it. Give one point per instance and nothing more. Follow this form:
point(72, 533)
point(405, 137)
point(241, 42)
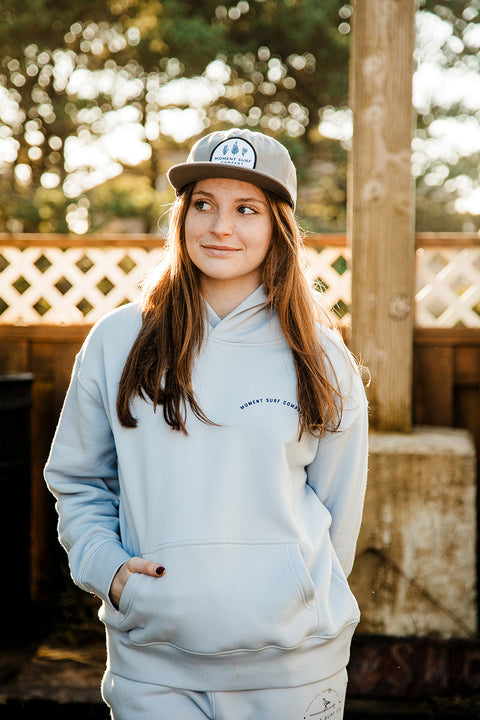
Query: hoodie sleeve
point(81, 472)
point(338, 473)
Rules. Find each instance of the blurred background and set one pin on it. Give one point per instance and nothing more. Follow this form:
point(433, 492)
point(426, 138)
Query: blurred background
point(97, 100)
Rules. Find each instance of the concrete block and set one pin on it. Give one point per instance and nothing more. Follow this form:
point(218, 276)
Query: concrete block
point(415, 572)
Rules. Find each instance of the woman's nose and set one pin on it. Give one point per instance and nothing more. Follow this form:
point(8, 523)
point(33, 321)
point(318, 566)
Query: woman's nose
point(222, 223)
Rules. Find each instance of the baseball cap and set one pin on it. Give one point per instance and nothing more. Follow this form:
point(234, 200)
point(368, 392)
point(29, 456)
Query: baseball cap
point(240, 155)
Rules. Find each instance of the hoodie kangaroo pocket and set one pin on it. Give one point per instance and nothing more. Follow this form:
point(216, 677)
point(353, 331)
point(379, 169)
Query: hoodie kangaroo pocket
point(219, 597)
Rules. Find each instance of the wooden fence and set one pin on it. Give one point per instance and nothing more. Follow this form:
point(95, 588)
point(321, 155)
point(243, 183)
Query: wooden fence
point(446, 392)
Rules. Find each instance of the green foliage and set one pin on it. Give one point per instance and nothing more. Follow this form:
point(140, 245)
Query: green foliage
point(279, 62)
point(448, 169)
point(323, 187)
point(41, 210)
point(127, 196)
point(273, 65)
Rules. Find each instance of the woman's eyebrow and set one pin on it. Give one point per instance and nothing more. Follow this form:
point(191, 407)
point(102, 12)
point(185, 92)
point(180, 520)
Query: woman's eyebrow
point(251, 200)
point(205, 193)
point(201, 192)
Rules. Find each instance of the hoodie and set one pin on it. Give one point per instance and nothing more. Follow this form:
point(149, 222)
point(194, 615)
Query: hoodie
point(255, 527)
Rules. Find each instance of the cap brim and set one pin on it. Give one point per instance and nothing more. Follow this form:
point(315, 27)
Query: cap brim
point(185, 173)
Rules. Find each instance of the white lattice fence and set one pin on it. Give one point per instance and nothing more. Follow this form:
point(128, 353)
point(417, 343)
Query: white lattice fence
point(45, 284)
point(448, 287)
point(51, 285)
point(329, 267)
point(73, 286)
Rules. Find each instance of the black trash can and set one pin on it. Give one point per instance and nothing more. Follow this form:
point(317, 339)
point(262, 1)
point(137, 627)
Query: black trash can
point(15, 404)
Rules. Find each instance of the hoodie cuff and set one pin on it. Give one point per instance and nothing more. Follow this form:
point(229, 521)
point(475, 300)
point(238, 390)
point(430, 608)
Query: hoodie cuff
point(101, 567)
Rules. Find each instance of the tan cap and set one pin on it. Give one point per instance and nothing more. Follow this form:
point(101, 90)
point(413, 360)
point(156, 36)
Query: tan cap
point(240, 155)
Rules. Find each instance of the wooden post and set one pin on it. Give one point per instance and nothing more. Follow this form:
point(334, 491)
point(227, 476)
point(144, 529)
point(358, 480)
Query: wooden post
point(381, 205)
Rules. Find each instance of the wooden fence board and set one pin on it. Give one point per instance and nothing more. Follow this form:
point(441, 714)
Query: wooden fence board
point(467, 366)
point(434, 383)
point(446, 388)
point(48, 353)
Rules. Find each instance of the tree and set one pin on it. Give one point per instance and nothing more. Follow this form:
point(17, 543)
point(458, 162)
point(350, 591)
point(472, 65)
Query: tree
point(67, 70)
point(447, 144)
point(73, 77)
point(43, 43)
point(272, 65)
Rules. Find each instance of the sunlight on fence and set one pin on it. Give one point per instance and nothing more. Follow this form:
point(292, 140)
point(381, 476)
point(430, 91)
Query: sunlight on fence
point(64, 281)
point(53, 285)
point(448, 287)
point(75, 286)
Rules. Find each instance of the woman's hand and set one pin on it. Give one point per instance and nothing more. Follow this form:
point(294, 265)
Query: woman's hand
point(132, 566)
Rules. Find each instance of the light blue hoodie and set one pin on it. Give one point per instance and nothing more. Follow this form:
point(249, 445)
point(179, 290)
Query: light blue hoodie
point(256, 529)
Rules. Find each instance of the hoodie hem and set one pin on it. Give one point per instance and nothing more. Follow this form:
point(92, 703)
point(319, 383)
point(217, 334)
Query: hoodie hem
point(317, 658)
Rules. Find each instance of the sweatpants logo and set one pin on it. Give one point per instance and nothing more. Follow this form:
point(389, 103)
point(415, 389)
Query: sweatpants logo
point(326, 705)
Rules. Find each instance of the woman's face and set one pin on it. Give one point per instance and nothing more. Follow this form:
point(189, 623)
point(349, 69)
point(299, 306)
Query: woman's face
point(228, 230)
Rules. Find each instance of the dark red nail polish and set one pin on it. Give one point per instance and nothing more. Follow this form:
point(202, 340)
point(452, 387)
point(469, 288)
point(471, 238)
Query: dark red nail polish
point(160, 570)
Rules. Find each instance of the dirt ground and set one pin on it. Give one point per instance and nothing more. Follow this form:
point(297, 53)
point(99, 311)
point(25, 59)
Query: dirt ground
point(56, 674)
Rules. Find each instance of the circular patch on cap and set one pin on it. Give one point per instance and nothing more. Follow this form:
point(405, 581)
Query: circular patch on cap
point(235, 151)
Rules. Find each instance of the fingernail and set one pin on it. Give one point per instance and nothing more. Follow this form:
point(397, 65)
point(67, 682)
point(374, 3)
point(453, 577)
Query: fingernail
point(160, 570)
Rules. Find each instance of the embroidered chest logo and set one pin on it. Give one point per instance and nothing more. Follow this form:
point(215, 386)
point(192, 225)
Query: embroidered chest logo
point(268, 401)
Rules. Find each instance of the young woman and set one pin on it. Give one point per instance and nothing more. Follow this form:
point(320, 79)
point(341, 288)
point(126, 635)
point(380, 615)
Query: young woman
point(210, 462)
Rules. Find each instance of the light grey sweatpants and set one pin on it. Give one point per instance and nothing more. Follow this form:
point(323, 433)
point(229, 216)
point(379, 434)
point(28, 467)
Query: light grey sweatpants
point(130, 700)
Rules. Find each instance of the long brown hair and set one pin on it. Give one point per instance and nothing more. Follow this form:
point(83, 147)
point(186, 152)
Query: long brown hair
point(160, 361)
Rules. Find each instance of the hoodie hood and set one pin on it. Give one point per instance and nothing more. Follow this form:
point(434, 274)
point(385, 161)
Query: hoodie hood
point(250, 322)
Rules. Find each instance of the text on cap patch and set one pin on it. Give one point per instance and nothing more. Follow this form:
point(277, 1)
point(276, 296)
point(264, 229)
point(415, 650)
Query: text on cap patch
point(234, 151)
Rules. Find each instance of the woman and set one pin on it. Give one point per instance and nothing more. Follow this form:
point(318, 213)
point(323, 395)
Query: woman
point(210, 462)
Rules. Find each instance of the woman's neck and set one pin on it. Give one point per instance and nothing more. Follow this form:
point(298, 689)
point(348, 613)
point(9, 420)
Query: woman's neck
point(225, 297)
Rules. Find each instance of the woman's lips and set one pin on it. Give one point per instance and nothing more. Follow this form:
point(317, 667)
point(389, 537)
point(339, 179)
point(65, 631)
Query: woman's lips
point(220, 250)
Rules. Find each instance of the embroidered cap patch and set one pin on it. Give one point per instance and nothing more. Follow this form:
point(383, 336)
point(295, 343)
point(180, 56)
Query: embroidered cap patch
point(235, 151)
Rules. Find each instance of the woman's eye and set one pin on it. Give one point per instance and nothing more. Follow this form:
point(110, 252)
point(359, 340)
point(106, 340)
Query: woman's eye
point(201, 205)
point(245, 210)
